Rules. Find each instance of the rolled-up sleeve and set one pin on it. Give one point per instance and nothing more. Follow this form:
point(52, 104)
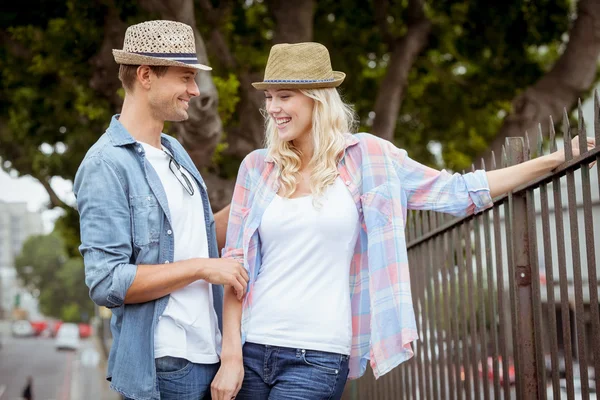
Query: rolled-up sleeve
point(105, 223)
point(429, 189)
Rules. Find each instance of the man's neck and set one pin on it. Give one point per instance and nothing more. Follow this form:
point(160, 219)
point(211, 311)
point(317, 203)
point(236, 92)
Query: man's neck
point(140, 123)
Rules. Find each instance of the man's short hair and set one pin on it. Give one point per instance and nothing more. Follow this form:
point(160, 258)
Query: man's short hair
point(128, 74)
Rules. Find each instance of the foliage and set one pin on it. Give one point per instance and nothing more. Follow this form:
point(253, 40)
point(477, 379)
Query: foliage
point(479, 56)
point(44, 267)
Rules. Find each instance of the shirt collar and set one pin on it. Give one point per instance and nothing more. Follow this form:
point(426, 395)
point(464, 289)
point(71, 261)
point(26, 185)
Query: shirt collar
point(117, 132)
point(351, 140)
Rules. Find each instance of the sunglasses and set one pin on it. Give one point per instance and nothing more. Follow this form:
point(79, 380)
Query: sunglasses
point(181, 177)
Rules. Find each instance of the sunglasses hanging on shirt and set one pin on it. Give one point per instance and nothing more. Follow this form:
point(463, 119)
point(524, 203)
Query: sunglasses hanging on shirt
point(181, 177)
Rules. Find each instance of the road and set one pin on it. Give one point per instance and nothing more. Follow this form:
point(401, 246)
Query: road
point(57, 375)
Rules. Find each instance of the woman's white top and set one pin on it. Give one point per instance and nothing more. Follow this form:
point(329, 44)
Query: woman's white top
point(188, 327)
point(301, 298)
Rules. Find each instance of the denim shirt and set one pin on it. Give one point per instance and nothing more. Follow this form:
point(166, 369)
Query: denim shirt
point(125, 222)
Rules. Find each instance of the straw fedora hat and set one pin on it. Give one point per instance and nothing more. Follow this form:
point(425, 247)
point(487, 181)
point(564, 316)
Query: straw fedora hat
point(299, 66)
point(161, 43)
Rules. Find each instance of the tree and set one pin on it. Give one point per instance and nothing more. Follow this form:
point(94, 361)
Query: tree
point(454, 73)
point(45, 268)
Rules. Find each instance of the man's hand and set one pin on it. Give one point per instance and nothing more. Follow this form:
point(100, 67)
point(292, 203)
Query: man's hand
point(225, 271)
point(228, 381)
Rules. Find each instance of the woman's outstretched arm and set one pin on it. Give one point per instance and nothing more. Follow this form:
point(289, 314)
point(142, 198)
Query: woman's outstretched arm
point(506, 179)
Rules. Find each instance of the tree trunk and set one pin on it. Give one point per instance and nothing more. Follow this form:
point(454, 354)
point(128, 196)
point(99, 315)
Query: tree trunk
point(573, 74)
point(201, 133)
point(405, 51)
point(293, 20)
point(105, 77)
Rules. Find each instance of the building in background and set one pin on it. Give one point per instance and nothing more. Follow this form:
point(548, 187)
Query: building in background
point(17, 223)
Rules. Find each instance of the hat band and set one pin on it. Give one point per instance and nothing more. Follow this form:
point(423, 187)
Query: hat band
point(298, 80)
point(187, 58)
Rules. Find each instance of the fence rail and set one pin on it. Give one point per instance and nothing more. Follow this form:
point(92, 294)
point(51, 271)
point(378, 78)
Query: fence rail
point(507, 300)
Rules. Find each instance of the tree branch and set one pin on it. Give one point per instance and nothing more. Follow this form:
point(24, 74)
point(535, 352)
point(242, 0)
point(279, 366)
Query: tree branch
point(381, 13)
point(404, 54)
point(55, 201)
point(105, 78)
point(572, 74)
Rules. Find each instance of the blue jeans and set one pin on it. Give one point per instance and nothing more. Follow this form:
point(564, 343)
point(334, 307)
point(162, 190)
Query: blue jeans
point(274, 373)
point(180, 379)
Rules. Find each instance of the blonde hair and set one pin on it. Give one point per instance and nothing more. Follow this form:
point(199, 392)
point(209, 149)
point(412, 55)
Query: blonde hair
point(331, 119)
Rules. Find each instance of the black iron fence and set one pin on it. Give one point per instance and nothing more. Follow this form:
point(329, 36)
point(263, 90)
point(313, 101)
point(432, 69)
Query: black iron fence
point(507, 300)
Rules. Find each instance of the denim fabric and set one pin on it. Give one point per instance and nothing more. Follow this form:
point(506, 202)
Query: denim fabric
point(180, 379)
point(274, 373)
point(125, 222)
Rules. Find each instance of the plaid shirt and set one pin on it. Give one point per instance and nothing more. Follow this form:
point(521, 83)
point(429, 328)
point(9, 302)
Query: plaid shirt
point(384, 183)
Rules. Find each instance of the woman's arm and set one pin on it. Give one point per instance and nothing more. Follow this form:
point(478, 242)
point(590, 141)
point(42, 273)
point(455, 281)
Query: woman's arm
point(506, 179)
point(230, 376)
point(228, 381)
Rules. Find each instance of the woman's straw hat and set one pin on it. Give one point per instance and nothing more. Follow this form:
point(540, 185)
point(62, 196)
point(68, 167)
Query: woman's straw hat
point(162, 43)
point(299, 66)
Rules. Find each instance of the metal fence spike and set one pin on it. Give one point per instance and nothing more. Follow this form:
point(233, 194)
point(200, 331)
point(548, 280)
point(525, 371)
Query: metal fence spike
point(493, 160)
point(597, 117)
point(540, 142)
point(527, 147)
point(552, 136)
point(567, 136)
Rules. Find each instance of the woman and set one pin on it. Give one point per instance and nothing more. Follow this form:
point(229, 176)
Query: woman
point(318, 219)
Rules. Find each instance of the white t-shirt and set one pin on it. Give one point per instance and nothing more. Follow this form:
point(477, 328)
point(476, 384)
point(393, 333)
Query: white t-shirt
point(301, 298)
point(188, 327)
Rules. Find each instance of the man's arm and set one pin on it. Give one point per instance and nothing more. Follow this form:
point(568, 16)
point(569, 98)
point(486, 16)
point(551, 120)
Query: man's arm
point(106, 246)
point(155, 281)
point(221, 220)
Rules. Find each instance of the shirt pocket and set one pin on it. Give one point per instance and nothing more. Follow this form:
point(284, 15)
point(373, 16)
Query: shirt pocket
point(146, 220)
point(376, 209)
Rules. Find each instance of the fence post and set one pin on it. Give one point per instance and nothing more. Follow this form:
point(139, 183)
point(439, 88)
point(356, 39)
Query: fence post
point(525, 342)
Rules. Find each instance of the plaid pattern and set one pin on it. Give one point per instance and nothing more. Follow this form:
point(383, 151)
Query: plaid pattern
point(384, 183)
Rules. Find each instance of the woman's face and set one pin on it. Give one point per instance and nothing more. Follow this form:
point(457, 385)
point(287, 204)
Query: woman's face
point(291, 111)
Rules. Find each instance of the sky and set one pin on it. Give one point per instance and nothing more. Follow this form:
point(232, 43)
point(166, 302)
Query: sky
point(29, 190)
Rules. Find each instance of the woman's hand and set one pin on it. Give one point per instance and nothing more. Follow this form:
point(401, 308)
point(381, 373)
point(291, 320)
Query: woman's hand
point(228, 381)
point(561, 156)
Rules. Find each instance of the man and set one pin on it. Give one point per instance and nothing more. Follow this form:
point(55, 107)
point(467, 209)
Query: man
point(147, 231)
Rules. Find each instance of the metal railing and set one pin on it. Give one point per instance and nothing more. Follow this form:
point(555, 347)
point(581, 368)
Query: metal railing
point(507, 300)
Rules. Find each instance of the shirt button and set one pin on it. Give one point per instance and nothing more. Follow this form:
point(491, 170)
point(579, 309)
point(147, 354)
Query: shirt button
point(347, 183)
point(360, 209)
point(166, 262)
point(139, 149)
point(169, 232)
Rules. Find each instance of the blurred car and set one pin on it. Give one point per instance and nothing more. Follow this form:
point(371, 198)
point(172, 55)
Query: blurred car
point(85, 330)
point(22, 328)
point(54, 326)
point(38, 327)
point(67, 337)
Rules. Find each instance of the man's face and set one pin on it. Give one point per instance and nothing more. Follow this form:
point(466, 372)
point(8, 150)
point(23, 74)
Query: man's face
point(170, 94)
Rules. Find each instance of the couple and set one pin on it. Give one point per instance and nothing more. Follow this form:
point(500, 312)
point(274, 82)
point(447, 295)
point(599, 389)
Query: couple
point(313, 282)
